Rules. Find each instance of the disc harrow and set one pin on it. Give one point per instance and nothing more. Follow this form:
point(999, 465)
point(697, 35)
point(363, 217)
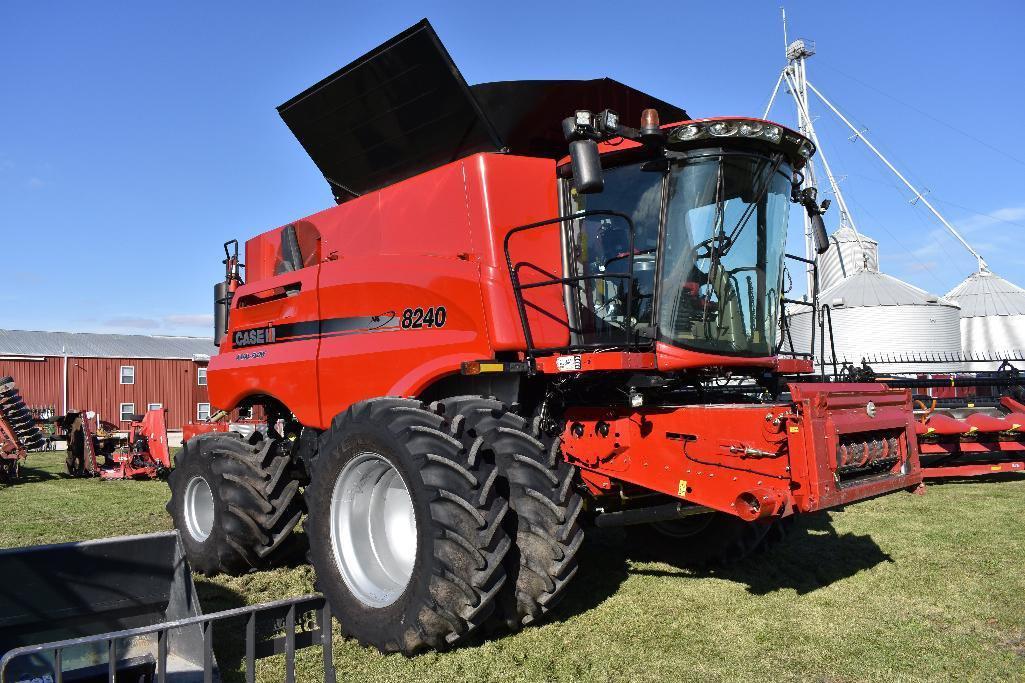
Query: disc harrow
point(18, 431)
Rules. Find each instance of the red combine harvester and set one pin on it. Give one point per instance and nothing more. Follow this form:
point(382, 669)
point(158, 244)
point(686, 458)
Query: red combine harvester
point(18, 431)
point(142, 454)
point(488, 344)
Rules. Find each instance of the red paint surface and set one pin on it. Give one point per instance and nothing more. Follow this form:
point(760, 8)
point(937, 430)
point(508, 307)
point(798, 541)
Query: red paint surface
point(722, 456)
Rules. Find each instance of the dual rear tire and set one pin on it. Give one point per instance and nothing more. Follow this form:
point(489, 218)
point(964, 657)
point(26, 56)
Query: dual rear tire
point(409, 528)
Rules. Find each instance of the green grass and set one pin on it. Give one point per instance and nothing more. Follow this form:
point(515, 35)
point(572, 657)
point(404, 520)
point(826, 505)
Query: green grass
point(903, 587)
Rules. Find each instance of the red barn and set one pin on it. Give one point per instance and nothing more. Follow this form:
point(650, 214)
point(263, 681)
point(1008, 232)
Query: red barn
point(113, 374)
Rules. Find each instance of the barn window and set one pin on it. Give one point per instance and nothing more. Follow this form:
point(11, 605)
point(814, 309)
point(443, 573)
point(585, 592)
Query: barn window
point(245, 413)
point(201, 376)
point(127, 411)
point(154, 406)
point(127, 374)
point(202, 412)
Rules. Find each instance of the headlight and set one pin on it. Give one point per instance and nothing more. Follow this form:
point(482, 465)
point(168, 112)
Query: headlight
point(722, 128)
point(686, 132)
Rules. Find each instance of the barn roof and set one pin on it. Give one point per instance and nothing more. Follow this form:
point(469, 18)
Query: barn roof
point(89, 345)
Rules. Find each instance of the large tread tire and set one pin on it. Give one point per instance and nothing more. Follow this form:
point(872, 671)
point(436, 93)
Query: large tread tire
point(709, 541)
point(544, 502)
point(457, 571)
point(257, 503)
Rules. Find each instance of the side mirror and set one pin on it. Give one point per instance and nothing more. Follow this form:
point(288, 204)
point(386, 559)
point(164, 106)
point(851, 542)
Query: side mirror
point(582, 133)
point(818, 231)
point(586, 164)
point(808, 198)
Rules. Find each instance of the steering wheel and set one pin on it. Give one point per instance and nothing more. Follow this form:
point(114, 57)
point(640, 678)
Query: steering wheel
point(704, 249)
point(637, 252)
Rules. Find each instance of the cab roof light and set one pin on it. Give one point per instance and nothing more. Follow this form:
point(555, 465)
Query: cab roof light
point(743, 128)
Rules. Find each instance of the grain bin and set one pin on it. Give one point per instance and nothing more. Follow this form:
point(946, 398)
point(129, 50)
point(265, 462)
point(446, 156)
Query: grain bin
point(992, 317)
point(846, 257)
point(878, 315)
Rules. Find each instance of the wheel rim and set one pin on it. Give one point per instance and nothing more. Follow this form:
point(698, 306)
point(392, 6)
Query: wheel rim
point(199, 509)
point(373, 529)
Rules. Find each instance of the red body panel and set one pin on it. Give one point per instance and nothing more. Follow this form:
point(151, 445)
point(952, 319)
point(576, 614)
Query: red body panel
point(433, 241)
point(787, 457)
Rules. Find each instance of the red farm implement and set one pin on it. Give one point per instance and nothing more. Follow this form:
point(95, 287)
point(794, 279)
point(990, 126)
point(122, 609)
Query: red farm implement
point(142, 453)
point(968, 423)
point(18, 430)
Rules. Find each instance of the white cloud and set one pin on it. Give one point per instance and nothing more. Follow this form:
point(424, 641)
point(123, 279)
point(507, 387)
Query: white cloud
point(190, 319)
point(129, 322)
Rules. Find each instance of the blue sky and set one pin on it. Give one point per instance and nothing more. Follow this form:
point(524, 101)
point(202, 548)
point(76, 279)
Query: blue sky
point(136, 137)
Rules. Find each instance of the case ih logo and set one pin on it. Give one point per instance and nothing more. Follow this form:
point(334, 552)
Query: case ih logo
point(263, 335)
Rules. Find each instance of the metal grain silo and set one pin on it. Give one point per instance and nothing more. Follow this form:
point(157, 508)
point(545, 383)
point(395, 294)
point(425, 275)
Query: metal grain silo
point(992, 317)
point(875, 315)
point(847, 257)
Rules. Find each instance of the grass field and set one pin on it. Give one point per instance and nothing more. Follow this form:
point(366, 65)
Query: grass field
point(904, 587)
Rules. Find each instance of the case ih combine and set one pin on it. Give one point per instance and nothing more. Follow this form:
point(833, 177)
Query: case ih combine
point(487, 344)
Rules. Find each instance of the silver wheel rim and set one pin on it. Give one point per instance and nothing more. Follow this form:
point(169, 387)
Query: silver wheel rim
point(199, 509)
point(373, 529)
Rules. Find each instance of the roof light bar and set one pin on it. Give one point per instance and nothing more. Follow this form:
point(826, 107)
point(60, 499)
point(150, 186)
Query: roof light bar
point(744, 128)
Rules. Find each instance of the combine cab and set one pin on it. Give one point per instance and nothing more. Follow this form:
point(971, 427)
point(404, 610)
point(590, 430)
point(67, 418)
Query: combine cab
point(523, 317)
point(18, 431)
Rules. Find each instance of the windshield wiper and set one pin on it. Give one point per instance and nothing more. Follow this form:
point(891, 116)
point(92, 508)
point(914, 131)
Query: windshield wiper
point(731, 239)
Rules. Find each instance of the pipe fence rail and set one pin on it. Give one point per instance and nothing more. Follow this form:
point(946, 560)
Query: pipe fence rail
point(281, 616)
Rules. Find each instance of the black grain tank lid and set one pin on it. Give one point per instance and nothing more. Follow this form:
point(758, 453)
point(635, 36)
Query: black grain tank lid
point(404, 108)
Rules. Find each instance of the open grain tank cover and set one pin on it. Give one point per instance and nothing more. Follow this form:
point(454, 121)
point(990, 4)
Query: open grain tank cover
point(404, 108)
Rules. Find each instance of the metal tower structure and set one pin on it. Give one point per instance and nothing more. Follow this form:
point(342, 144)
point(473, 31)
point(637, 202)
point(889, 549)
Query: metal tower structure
point(795, 76)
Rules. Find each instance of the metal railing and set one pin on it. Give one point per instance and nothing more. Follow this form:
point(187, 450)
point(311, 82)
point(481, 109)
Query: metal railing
point(942, 357)
point(283, 615)
point(553, 280)
point(786, 338)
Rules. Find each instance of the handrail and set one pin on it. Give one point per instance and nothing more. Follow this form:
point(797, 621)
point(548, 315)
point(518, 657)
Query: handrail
point(518, 287)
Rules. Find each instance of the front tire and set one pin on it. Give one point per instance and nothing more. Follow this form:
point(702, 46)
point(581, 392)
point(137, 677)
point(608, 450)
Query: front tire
point(233, 503)
point(405, 528)
point(545, 505)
